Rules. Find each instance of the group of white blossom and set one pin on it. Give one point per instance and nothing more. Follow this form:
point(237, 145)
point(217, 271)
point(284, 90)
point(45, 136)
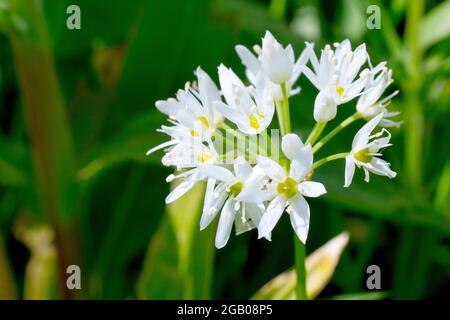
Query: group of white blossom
point(253, 191)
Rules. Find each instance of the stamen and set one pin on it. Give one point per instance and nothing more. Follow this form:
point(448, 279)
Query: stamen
point(254, 123)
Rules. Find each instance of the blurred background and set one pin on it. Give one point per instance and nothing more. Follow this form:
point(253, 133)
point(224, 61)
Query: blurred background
point(77, 116)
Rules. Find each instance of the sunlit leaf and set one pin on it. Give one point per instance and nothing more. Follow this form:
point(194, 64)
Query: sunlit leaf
point(320, 266)
point(180, 257)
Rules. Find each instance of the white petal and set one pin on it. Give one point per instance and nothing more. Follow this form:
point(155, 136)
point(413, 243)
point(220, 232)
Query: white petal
point(382, 167)
point(216, 172)
point(161, 146)
point(183, 187)
point(225, 224)
point(362, 136)
point(271, 216)
point(169, 107)
point(271, 168)
point(229, 112)
point(242, 168)
point(248, 60)
point(291, 145)
point(302, 163)
point(312, 189)
point(214, 206)
point(325, 107)
point(300, 218)
point(349, 170)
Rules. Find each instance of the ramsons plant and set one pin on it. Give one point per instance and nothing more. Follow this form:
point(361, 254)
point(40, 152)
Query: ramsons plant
point(248, 185)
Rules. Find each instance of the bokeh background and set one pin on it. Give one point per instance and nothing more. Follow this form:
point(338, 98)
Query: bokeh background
point(77, 116)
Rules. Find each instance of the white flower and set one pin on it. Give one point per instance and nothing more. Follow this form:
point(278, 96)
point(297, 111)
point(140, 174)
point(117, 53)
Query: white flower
point(222, 197)
point(365, 152)
point(288, 189)
point(334, 76)
point(250, 108)
point(277, 62)
point(193, 112)
point(254, 67)
point(189, 157)
point(369, 104)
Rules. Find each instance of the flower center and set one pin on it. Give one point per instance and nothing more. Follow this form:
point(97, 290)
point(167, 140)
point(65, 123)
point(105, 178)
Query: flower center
point(204, 121)
point(363, 155)
point(288, 188)
point(340, 91)
point(254, 123)
point(194, 133)
point(235, 189)
point(204, 157)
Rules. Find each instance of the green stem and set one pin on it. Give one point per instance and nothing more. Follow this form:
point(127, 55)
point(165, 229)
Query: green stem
point(284, 119)
point(329, 158)
point(336, 130)
point(286, 125)
point(316, 132)
point(300, 254)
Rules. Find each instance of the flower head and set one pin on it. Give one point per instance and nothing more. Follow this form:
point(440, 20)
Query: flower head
point(193, 112)
point(366, 151)
point(369, 104)
point(335, 76)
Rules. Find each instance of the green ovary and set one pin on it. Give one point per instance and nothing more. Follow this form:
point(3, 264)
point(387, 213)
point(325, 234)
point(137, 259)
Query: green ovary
point(288, 188)
point(363, 155)
point(235, 189)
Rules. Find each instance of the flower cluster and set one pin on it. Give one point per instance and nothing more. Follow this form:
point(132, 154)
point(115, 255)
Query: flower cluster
point(253, 189)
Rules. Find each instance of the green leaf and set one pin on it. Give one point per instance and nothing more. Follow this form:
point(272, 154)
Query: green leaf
point(180, 256)
point(13, 163)
point(434, 26)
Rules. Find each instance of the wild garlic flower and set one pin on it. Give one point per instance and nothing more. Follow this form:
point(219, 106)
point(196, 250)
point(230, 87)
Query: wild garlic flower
point(286, 188)
point(223, 197)
point(250, 108)
point(277, 62)
point(188, 157)
point(249, 187)
point(335, 76)
point(369, 104)
point(255, 66)
point(193, 112)
point(365, 152)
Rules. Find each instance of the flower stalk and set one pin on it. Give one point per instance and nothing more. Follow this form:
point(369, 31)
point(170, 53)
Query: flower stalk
point(335, 131)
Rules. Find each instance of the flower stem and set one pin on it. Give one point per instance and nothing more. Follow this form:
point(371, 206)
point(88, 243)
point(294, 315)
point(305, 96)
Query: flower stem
point(284, 119)
point(329, 158)
point(336, 130)
point(286, 112)
point(316, 132)
point(300, 269)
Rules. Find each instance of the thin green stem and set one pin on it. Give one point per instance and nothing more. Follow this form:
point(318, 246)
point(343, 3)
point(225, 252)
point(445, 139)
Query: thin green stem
point(284, 119)
point(336, 130)
point(329, 158)
point(316, 132)
point(300, 268)
point(286, 112)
